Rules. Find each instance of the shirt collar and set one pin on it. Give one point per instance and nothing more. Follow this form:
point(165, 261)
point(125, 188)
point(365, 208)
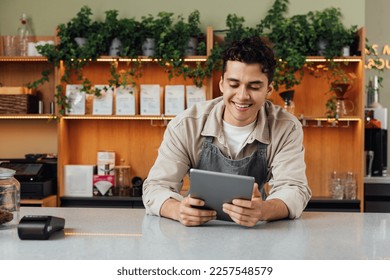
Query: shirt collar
point(213, 125)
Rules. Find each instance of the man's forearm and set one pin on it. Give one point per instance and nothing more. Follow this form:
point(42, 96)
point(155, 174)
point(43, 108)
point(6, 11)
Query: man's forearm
point(170, 209)
point(274, 209)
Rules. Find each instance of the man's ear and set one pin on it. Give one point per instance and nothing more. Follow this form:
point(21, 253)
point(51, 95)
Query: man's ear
point(270, 89)
point(220, 85)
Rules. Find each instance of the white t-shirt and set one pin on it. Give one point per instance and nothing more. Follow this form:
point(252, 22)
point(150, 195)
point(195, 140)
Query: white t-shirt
point(237, 135)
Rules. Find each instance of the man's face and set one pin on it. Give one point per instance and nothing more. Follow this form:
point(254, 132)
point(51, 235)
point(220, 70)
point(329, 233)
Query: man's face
point(244, 88)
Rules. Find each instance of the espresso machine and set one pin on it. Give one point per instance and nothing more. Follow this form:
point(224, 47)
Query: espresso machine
point(375, 141)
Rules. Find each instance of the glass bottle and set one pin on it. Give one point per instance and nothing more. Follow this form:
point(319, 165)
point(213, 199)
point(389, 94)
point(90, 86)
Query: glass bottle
point(24, 35)
point(9, 197)
point(350, 186)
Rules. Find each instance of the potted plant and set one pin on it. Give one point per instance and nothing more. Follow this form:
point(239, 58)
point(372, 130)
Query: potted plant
point(110, 29)
point(292, 38)
point(331, 34)
point(121, 36)
point(153, 29)
point(194, 33)
point(172, 44)
point(73, 55)
point(79, 27)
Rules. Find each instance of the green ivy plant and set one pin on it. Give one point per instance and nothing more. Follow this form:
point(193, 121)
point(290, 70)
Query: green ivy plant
point(172, 43)
point(327, 25)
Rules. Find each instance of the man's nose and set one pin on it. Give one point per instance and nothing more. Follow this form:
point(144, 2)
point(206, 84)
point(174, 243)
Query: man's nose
point(242, 92)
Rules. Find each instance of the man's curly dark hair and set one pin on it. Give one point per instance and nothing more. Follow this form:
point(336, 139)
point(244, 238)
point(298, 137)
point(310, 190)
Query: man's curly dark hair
point(251, 50)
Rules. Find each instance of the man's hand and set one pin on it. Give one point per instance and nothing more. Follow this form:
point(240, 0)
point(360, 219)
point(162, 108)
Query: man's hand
point(249, 212)
point(185, 213)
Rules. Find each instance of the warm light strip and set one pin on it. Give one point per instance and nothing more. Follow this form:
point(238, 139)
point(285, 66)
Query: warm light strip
point(333, 119)
point(157, 118)
point(102, 234)
point(195, 59)
point(27, 117)
point(335, 59)
point(23, 58)
point(190, 59)
point(111, 59)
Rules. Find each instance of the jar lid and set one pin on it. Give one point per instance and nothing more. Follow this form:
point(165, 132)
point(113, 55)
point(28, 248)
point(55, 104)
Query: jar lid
point(6, 173)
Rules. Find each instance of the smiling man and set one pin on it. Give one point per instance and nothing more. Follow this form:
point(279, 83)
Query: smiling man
point(238, 133)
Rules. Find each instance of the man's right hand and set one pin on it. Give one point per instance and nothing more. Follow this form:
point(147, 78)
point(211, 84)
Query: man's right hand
point(184, 212)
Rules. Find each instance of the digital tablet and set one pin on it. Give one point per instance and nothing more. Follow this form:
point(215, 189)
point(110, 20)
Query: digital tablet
point(217, 188)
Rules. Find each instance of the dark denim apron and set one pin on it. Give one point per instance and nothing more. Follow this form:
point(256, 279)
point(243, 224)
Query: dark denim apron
point(254, 165)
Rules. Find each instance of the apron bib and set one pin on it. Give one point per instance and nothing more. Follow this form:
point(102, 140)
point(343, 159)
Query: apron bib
point(254, 165)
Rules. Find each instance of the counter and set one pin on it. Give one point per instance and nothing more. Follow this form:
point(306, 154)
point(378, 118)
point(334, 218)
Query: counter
point(118, 234)
point(377, 180)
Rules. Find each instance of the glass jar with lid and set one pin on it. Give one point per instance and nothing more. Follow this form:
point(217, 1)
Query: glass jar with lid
point(122, 180)
point(9, 198)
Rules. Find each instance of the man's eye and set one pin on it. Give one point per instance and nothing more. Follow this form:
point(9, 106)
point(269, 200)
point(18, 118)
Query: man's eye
point(234, 85)
point(254, 87)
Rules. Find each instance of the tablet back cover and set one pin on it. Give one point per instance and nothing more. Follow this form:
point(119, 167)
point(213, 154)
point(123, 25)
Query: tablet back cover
point(217, 188)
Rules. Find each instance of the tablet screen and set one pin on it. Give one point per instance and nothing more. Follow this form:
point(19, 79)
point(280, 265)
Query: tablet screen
point(217, 188)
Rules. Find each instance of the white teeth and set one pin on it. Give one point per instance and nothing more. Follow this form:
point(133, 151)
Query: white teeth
point(242, 106)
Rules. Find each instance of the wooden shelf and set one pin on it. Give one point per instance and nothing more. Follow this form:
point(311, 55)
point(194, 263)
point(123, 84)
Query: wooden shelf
point(328, 122)
point(116, 117)
point(338, 59)
point(29, 117)
point(23, 59)
point(147, 59)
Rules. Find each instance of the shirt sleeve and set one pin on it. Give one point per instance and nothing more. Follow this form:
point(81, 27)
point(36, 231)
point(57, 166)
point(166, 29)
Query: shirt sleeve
point(288, 172)
point(165, 178)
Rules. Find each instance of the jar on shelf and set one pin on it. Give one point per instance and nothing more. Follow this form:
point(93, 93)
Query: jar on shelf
point(9, 198)
point(122, 181)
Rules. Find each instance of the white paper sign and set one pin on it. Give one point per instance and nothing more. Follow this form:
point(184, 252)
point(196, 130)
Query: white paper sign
point(195, 94)
point(174, 99)
point(150, 100)
point(76, 100)
point(125, 100)
point(102, 104)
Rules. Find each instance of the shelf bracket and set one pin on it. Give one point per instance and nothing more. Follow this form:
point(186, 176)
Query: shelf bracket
point(153, 123)
point(319, 124)
point(346, 125)
point(304, 122)
point(334, 123)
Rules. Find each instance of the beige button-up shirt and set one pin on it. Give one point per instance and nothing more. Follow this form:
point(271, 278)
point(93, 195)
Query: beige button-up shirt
point(181, 147)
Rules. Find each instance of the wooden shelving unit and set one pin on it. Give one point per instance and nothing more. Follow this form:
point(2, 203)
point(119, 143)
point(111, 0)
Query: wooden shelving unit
point(28, 133)
point(330, 144)
point(135, 139)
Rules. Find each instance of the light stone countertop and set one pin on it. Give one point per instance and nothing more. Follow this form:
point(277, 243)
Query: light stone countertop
point(122, 234)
